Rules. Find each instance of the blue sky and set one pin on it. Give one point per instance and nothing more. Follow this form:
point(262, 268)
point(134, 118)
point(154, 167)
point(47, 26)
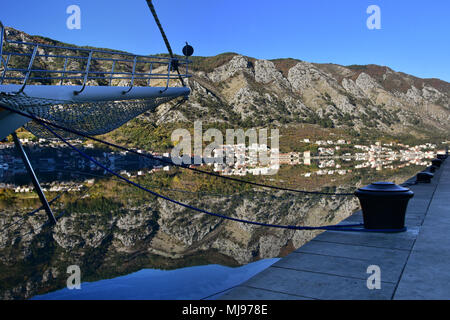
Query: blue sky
point(414, 37)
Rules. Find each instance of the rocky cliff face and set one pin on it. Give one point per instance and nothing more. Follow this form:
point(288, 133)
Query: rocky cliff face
point(262, 91)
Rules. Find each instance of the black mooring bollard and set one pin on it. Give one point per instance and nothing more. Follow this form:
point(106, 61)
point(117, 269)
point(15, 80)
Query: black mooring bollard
point(384, 205)
point(432, 169)
point(424, 177)
point(436, 162)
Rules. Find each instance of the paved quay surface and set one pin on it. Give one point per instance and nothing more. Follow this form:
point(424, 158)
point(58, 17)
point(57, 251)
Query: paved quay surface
point(414, 264)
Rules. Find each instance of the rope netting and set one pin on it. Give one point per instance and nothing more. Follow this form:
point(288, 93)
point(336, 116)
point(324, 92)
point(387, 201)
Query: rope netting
point(92, 118)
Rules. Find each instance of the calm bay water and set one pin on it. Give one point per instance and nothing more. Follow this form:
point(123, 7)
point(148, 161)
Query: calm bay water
point(130, 245)
point(193, 283)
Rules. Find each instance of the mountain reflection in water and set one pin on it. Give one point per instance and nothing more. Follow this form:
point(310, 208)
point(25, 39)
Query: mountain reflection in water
point(110, 229)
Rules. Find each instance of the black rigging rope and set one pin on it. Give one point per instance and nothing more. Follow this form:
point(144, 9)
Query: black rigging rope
point(169, 162)
point(334, 227)
point(163, 34)
point(348, 227)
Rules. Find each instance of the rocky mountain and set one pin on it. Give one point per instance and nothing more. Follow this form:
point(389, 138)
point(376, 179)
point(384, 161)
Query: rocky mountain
point(291, 91)
point(244, 91)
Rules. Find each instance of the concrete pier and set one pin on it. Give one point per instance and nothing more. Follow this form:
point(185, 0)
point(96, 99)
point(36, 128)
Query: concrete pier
point(413, 265)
